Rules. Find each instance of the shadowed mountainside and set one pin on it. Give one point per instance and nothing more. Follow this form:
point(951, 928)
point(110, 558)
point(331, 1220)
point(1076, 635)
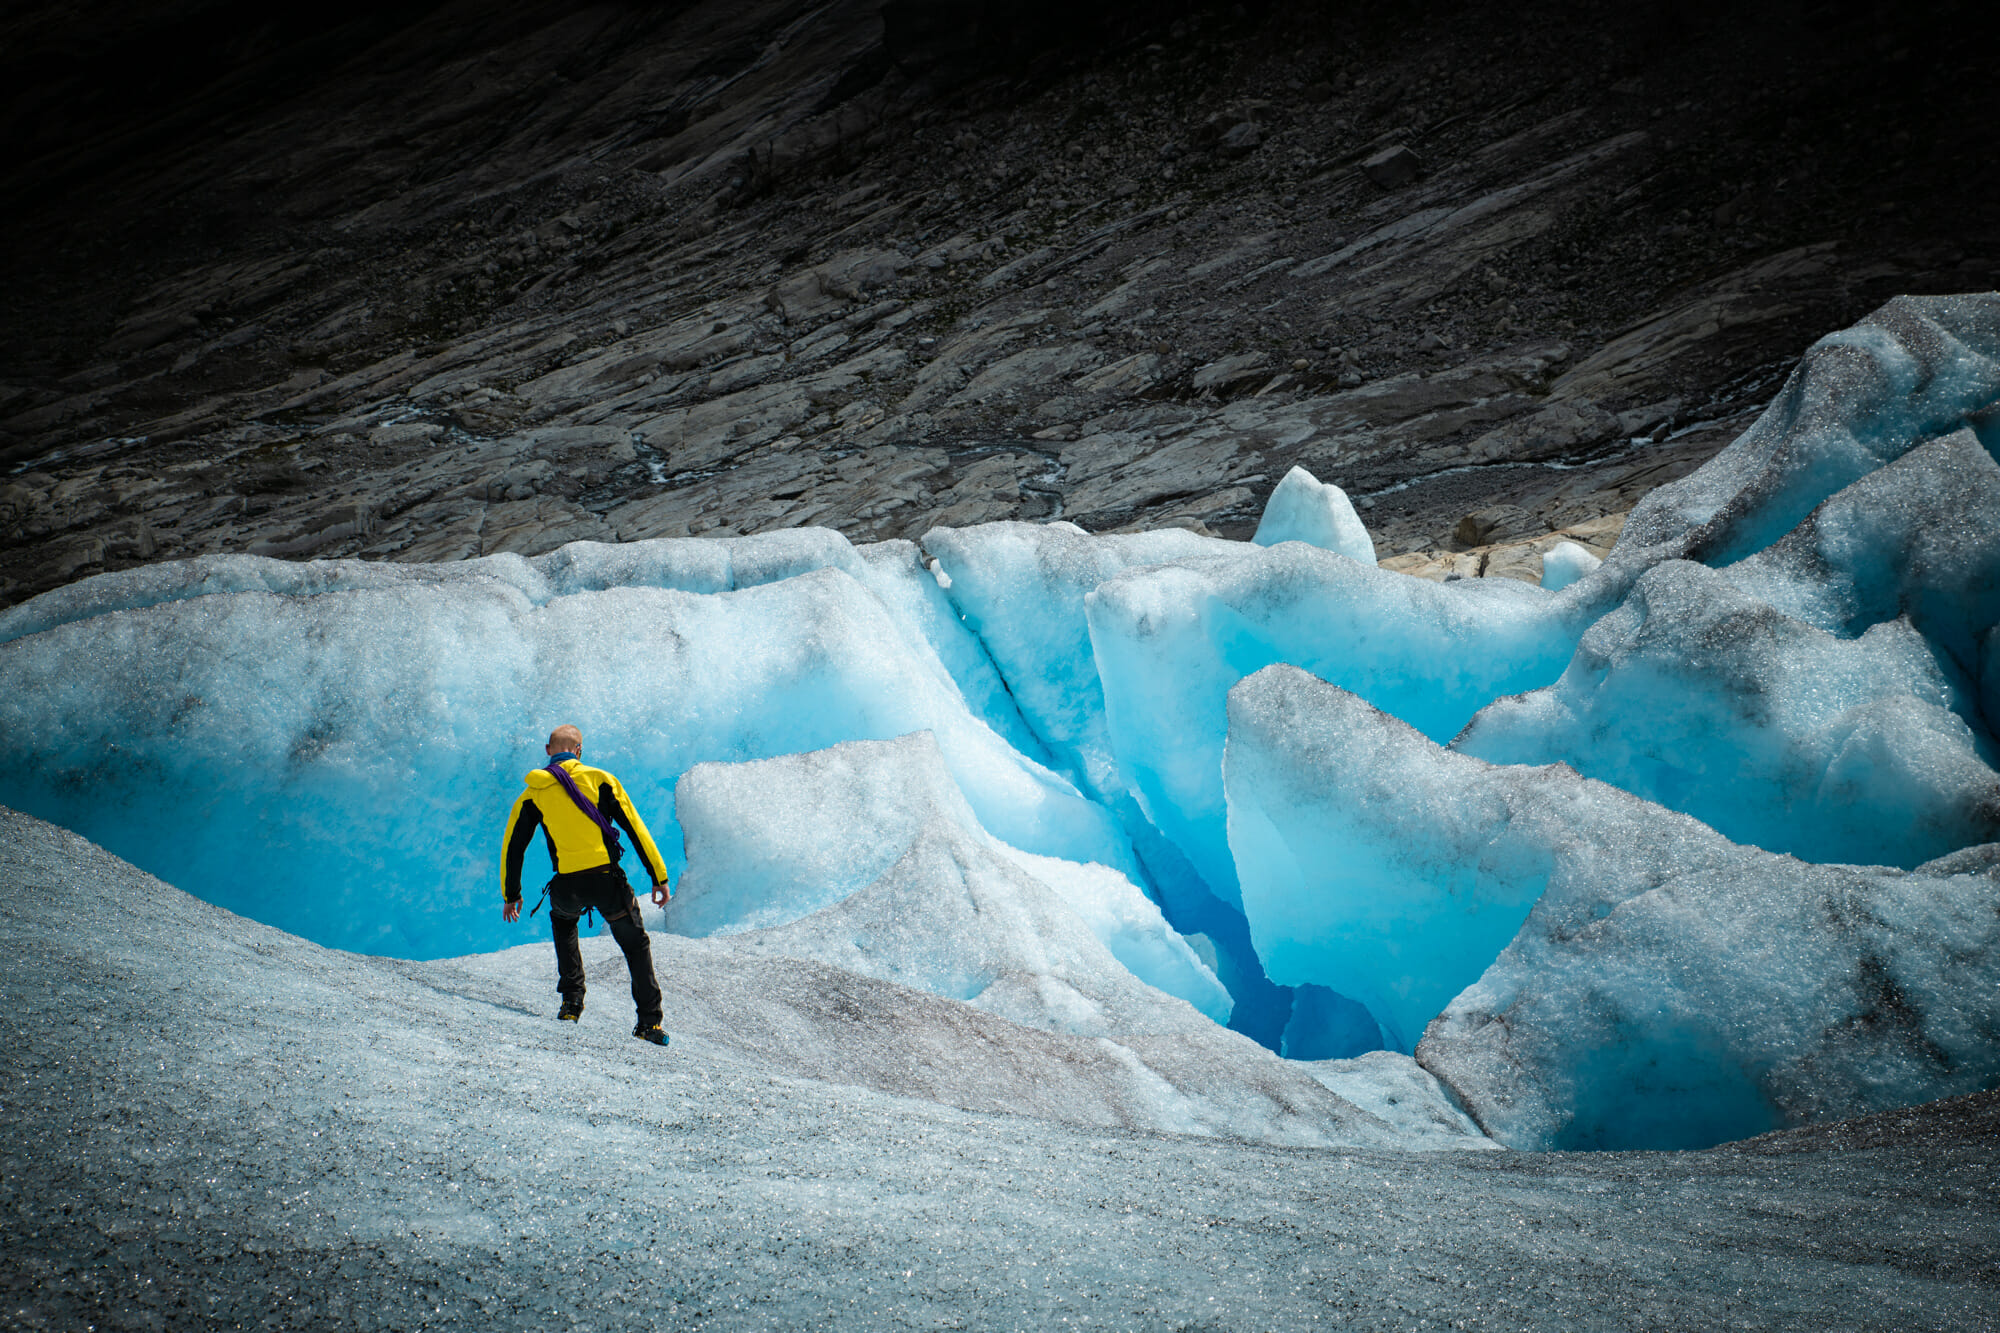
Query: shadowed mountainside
point(434, 281)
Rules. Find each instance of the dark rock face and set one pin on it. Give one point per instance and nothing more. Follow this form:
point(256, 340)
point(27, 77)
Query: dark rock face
point(419, 282)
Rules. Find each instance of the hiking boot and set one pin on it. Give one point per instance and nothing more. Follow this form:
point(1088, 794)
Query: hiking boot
point(652, 1033)
point(572, 1009)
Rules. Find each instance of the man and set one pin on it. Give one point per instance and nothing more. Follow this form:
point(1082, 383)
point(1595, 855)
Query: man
point(574, 806)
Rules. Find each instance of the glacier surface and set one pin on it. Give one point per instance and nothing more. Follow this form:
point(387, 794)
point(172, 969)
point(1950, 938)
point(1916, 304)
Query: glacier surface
point(873, 846)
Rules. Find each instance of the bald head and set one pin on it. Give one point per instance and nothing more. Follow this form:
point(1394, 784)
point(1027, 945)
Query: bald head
point(566, 739)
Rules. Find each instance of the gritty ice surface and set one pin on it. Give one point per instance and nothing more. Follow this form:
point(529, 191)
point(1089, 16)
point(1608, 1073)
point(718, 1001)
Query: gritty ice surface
point(1666, 987)
point(1399, 1091)
point(212, 1124)
point(1305, 509)
point(1919, 368)
point(780, 840)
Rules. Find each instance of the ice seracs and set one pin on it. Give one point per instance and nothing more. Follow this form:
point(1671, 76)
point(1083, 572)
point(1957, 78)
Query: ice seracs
point(1660, 987)
point(1305, 509)
point(1021, 588)
point(1368, 867)
point(336, 762)
point(925, 896)
point(1170, 641)
point(1771, 731)
point(1918, 368)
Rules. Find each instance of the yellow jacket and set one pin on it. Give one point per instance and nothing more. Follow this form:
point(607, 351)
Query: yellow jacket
point(575, 842)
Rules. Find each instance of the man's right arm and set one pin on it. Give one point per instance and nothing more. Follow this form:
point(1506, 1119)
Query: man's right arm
point(522, 821)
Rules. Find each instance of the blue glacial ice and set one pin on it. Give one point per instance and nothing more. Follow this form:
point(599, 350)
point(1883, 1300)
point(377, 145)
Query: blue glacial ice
point(1366, 869)
point(784, 840)
point(1171, 640)
point(1305, 509)
point(334, 762)
point(1821, 697)
point(1021, 588)
point(1658, 986)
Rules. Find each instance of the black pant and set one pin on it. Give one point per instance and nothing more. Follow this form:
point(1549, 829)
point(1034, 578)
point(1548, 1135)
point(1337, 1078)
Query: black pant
point(605, 889)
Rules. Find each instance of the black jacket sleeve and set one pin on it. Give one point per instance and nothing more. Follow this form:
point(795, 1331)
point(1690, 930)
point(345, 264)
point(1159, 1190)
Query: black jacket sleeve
point(614, 810)
point(527, 818)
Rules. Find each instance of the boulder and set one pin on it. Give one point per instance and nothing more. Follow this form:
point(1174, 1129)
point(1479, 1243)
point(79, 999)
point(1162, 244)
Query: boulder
point(1393, 167)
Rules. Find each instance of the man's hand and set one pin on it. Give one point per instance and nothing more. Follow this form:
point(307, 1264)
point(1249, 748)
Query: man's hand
point(661, 893)
point(512, 911)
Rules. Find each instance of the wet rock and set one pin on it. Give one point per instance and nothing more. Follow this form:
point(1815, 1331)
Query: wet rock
point(1489, 526)
point(148, 330)
point(1558, 429)
point(1219, 375)
point(1639, 420)
point(404, 433)
point(79, 555)
point(672, 289)
point(1125, 378)
point(1030, 369)
point(330, 528)
point(611, 444)
point(493, 416)
point(1242, 119)
point(1016, 269)
point(827, 287)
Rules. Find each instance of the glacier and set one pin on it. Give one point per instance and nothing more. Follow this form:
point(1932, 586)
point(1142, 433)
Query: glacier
point(1708, 820)
point(1837, 671)
point(778, 841)
point(1656, 985)
point(357, 738)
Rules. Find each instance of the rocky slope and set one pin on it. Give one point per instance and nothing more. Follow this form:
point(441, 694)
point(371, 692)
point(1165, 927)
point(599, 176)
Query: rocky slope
point(436, 282)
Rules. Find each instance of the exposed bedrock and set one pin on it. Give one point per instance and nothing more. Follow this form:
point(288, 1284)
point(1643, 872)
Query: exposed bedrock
point(429, 282)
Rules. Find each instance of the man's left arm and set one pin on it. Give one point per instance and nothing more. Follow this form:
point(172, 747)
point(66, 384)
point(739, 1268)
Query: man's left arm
point(613, 802)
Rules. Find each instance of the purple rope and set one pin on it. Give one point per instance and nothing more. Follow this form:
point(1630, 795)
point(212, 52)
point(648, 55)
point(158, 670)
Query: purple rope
point(588, 807)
